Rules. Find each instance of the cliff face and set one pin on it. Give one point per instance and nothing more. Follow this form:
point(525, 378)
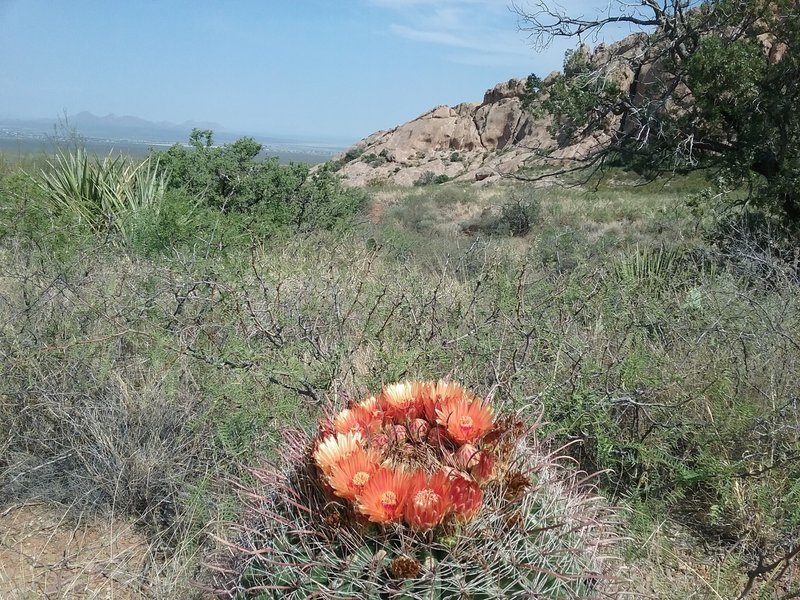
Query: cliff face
point(487, 140)
point(467, 141)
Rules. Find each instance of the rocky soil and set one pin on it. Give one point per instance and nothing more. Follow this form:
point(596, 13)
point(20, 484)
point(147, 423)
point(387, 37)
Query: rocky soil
point(46, 554)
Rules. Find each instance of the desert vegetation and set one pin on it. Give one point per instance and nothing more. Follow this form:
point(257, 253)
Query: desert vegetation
point(710, 86)
point(152, 372)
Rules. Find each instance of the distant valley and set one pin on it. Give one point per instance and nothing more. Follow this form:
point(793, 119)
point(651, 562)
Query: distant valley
point(135, 136)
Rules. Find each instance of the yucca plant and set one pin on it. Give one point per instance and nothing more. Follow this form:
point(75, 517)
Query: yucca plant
point(648, 268)
point(422, 492)
point(108, 194)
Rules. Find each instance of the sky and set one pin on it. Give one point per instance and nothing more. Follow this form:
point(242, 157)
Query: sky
point(322, 69)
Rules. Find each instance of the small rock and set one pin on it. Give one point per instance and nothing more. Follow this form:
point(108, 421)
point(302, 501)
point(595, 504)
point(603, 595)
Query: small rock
point(483, 173)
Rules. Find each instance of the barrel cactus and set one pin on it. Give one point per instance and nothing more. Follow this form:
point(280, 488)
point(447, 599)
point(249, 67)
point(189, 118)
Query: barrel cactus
point(423, 491)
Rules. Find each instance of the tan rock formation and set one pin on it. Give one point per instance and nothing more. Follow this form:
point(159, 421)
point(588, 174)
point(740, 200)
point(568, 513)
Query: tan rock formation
point(477, 141)
point(483, 141)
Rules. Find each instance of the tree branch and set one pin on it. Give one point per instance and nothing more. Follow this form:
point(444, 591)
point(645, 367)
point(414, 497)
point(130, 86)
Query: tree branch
point(543, 23)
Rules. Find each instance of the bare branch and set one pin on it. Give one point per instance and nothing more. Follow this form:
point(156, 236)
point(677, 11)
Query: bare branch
point(545, 23)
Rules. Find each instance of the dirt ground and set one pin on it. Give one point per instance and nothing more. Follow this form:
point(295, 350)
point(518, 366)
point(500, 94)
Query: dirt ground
point(44, 554)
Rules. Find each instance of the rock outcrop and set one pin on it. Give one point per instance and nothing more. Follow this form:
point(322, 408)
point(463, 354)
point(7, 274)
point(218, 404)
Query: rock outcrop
point(479, 141)
point(473, 141)
point(484, 141)
point(466, 141)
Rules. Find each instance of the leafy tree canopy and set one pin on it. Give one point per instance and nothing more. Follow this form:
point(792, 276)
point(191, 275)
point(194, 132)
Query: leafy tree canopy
point(714, 85)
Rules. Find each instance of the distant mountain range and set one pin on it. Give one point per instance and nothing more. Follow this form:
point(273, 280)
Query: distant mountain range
point(111, 127)
point(87, 122)
point(137, 130)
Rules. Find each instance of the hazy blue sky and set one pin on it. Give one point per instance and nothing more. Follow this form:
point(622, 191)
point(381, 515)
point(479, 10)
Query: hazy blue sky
point(334, 68)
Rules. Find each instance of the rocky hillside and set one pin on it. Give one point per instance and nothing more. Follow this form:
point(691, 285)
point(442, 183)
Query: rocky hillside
point(473, 141)
point(484, 141)
point(469, 140)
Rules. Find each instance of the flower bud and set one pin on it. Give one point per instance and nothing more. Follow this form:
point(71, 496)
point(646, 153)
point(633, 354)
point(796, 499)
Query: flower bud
point(468, 456)
point(419, 428)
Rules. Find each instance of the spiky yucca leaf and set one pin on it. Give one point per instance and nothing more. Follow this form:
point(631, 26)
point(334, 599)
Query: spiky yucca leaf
point(648, 267)
point(106, 195)
point(74, 185)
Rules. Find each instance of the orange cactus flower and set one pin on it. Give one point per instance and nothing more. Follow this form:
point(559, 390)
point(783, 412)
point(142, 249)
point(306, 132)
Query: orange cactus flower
point(334, 448)
point(465, 420)
point(428, 500)
point(349, 476)
point(465, 497)
point(356, 419)
point(347, 421)
point(383, 497)
point(437, 395)
point(402, 401)
point(373, 407)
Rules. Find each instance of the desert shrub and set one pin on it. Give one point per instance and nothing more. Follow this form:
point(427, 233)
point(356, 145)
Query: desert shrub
point(520, 215)
point(664, 365)
point(116, 396)
point(426, 178)
point(100, 427)
point(562, 249)
point(423, 212)
point(350, 155)
point(517, 216)
point(754, 244)
point(24, 210)
point(415, 213)
point(30, 222)
point(324, 204)
point(431, 178)
point(487, 222)
point(176, 225)
point(682, 445)
point(374, 160)
point(232, 179)
point(353, 154)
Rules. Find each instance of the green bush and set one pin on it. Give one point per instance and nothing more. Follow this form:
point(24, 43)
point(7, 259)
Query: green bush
point(517, 217)
point(350, 155)
point(520, 215)
point(431, 178)
point(144, 384)
point(232, 179)
point(374, 160)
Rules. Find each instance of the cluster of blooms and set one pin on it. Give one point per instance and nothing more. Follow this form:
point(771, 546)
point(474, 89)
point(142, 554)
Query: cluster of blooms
point(417, 453)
